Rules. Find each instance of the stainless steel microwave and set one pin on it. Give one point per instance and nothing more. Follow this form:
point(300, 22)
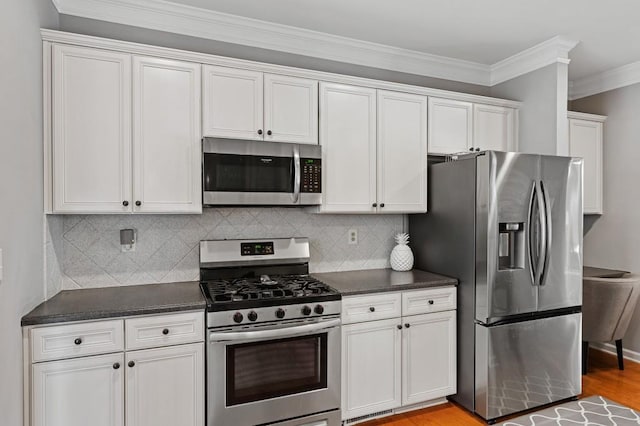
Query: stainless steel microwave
point(242, 172)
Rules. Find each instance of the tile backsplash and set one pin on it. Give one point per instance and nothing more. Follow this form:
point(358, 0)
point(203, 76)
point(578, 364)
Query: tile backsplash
point(84, 250)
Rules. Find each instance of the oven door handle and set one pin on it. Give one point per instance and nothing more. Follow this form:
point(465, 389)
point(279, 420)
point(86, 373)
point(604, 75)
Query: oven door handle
point(215, 337)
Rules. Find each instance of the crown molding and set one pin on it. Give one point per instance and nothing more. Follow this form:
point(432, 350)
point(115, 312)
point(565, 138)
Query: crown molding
point(176, 18)
point(616, 78)
point(585, 116)
point(555, 50)
point(182, 19)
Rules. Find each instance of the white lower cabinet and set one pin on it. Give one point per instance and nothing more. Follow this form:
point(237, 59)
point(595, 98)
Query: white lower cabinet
point(79, 392)
point(428, 341)
point(159, 384)
point(371, 367)
point(398, 362)
point(165, 386)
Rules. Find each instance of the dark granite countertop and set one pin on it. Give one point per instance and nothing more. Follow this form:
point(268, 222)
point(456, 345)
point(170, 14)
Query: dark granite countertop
point(108, 302)
point(593, 272)
point(380, 280)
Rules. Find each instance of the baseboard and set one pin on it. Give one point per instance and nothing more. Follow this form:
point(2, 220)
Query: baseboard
point(611, 349)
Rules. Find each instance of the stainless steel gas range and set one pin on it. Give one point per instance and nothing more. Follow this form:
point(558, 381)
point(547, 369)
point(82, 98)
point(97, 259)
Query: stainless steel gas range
point(273, 353)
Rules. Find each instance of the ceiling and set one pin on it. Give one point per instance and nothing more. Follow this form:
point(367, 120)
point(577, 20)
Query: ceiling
point(484, 31)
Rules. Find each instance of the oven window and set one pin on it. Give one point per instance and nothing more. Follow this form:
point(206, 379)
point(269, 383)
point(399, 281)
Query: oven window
point(263, 370)
point(247, 173)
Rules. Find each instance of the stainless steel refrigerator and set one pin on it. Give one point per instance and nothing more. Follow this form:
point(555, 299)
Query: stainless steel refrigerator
point(509, 227)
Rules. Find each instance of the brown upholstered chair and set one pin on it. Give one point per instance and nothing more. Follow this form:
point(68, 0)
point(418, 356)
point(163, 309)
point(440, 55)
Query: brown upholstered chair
point(607, 307)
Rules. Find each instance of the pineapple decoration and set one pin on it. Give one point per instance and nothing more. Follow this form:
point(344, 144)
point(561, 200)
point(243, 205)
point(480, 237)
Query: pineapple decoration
point(401, 255)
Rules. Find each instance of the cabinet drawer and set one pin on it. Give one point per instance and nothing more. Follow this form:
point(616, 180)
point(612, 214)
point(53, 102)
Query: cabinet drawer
point(74, 340)
point(164, 330)
point(370, 308)
point(431, 300)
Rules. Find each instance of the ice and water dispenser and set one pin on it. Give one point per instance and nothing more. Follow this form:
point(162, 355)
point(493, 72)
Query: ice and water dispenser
point(511, 244)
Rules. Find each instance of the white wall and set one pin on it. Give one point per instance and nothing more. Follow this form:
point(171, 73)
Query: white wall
point(21, 218)
point(542, 127)
point(613, 239)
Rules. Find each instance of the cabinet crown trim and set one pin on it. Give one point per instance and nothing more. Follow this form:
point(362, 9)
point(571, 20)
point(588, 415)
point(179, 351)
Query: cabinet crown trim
point(54, 36)
point(585, 116)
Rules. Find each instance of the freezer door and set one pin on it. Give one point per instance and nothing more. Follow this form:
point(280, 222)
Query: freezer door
point(561, 280)
point(527, 364)
point(505, 199)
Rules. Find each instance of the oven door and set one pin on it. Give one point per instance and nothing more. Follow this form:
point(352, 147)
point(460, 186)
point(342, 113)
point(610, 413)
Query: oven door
point(273, 373)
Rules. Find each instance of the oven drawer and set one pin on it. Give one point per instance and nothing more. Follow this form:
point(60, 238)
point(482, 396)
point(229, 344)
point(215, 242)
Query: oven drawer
point(430, 300)
point(164, 330)
point(371, 307)
point(75, 340)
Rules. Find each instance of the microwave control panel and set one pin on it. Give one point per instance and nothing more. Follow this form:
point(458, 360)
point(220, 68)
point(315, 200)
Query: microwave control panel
point(311, 175)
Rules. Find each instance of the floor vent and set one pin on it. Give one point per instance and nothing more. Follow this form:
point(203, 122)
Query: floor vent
point(367, 417)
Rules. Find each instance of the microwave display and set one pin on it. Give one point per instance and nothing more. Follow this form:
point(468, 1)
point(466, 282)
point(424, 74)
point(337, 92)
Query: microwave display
point(311, 175)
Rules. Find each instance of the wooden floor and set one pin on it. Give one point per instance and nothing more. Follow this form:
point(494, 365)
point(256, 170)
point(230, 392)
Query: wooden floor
point(604, 379)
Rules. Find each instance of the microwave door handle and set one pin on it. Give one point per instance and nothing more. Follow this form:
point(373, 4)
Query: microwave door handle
point(277, 333)
point(296, 173)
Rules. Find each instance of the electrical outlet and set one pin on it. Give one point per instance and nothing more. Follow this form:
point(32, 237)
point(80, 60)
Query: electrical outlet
point(128, 240)
point(353, 236)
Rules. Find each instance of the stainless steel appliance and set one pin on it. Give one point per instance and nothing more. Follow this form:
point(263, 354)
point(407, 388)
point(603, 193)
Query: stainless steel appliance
point(240, 172)
point(273, 353)
point(509, 226)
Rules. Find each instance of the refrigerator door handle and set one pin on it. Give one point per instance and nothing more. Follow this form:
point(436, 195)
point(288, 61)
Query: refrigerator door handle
point(542, 220)
point(548, 234)
point(533, 242)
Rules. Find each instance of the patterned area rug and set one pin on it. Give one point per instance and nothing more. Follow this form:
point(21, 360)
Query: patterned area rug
point(593, 411)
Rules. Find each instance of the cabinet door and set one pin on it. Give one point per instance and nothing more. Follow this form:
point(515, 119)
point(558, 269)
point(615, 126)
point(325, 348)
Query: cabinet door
point(233, 103)
point(450, 126)
point(585, 140)
point(348, 139)
point(91, 95)
point(165, 386)
point(428, 356)
point(370, 367)
point(402, 153)
point(290, 109)
point(167, 154)
point(493, 128)
point(79, 392)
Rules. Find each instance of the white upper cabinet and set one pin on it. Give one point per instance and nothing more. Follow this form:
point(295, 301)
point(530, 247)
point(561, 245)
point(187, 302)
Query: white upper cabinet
point(374, 150)
point(494, 128)
point(233, 103)
point(166, 141)
point(457, 126)
point(107, 157)
point(348, 139)
point(586, 140)
point(290, 109)
point(450, 126)
point(91, 130)
point(243, 104)
point(402, 152)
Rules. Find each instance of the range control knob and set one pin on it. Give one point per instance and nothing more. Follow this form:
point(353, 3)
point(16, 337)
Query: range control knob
point(306, 310)
point(237, 317)
point(252, 316)
point(319, 309)
point(280, 313)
